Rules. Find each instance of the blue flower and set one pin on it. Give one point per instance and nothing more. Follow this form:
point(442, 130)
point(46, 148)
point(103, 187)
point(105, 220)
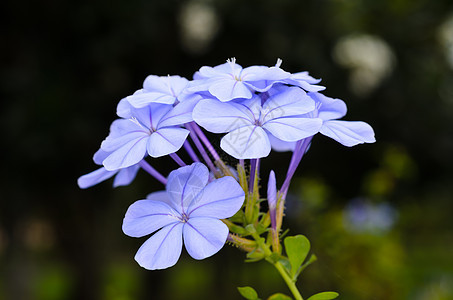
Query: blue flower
point(249, 123)
point(230, 81)
point(158, 89)
point(123, 176)
point(154, 130)
point(348, 133)
point(190, 209)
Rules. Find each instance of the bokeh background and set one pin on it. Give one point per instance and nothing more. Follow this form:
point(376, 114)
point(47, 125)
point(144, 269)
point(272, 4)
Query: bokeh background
point(379, 216)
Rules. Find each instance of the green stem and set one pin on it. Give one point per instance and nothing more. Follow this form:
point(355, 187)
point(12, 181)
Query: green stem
point(289, 282)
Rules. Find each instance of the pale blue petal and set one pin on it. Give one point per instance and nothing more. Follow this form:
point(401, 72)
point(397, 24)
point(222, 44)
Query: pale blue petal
point(185, 183)
point(150, 116)
point(123, 109)
point(162, 250)
point(304, 76)
point(348, 133)
point(261, 78)
point(252, 107)
point(180, 114)
point(169, 85)
point(131, 153)
point(330, 108)
point(228, 89)
point(291, 102)
point(220, 199)
point(218, 117)
point(111, 143)
point(159, 196)
point(279, 145)
point(126, 176)
point(143, 217)
point(95, 177)
point(166, 140)
point(143, 99)
point(293, 129)
point(204, 237)
point(99, 156)
point(246, 142)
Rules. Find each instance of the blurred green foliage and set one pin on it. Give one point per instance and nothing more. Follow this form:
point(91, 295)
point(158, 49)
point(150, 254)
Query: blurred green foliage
point(378, 216)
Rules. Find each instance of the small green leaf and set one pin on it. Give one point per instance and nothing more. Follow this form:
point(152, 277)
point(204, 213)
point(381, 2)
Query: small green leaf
point(248, 293)
point(311, 260)
point(279, 296)
point(297, 248)
point(324, 296)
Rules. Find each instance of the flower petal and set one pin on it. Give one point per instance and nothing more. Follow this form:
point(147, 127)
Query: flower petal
point(279, 145)
point(159, 196)
point(293, 129)
point(220, 199)
point(218, 117)
point(166, 140)
point(229, 88)
point(204, 237)
point(126, 176)
point(129, 154)
point(291, 102)
point(180, 114)
point(185, 183)
point(330, 108)
point(144, 217)
point(162, 250)
point(95, 177)
point(246, 142)
point(348, 133)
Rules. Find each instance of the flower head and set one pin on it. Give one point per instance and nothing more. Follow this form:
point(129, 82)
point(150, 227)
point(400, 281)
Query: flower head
point(249, 122)
point(190, 209)
point(154, 130)
point(230, 81)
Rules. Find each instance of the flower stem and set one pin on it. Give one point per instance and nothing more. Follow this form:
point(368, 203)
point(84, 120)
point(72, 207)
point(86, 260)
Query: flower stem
point(200, 148)
point(289, 282)
point(147, 167)
point(178, 159)
point(190, 151)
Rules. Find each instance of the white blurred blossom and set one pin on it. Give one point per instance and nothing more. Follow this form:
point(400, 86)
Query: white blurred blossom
point(369, 59)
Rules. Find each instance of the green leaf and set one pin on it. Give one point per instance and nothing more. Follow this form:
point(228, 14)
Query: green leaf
point(279, 296)
point(297, 248)
point(248, 293)
point(311, 260)
point(324, 296)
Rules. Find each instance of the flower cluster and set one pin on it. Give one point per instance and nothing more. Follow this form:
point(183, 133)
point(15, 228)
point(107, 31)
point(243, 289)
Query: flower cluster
point(207, 203)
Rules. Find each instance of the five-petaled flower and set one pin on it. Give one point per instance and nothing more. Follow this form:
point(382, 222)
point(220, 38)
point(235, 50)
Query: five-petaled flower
point(249, 123)
point(190, 209)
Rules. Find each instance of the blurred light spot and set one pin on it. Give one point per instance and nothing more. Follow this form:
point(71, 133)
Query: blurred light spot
point(199, 25)
point(361, 216)
point(369, 58)
point(37, 234)
point(445, 35)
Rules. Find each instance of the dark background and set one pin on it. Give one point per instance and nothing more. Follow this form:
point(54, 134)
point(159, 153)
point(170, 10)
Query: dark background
point(65, 65)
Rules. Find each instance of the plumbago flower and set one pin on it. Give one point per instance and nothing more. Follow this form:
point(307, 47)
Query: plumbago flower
point(230, 81)
point(188, 210)
point(248, 122)
point(259, 109)
point(153, 130)
point(123, 176)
